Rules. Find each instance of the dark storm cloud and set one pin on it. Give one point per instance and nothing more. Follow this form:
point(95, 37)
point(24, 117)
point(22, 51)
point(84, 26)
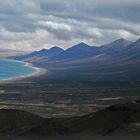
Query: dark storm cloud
point(42, 23)
point(90, 9)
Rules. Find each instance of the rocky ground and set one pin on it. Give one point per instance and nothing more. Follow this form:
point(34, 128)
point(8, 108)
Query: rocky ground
point(117, 121)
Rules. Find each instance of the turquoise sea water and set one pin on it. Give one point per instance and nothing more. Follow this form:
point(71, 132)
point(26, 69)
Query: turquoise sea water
point(11, 69)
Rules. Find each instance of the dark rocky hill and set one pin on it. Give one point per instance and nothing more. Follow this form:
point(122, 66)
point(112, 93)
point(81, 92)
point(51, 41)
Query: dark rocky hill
point(119, 120)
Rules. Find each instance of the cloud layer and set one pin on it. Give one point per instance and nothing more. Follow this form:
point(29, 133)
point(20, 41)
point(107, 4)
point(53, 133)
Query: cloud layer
point(36, 24)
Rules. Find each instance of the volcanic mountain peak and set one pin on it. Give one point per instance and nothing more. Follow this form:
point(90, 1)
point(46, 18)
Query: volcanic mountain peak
point(118, 43)
point(56, 48)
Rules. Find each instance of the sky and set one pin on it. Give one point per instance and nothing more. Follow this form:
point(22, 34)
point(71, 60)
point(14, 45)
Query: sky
point(35, 24)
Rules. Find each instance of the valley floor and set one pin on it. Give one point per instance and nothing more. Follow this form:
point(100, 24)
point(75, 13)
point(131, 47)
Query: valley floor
point(55, 98)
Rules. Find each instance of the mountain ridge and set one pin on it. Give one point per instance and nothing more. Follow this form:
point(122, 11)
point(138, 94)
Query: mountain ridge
point(80, 50)
point(117, 61)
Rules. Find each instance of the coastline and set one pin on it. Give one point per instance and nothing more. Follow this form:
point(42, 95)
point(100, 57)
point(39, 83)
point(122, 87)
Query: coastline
point(39, 72)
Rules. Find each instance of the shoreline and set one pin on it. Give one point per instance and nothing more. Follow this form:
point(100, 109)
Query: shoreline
point(37, 73)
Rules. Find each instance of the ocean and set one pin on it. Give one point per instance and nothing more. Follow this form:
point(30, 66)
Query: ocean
point(12, 69)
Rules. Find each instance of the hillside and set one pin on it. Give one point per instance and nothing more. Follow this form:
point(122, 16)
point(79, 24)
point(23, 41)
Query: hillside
point(115, 121)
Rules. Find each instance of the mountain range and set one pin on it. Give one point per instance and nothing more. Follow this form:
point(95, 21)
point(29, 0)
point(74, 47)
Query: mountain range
point(116, 61)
